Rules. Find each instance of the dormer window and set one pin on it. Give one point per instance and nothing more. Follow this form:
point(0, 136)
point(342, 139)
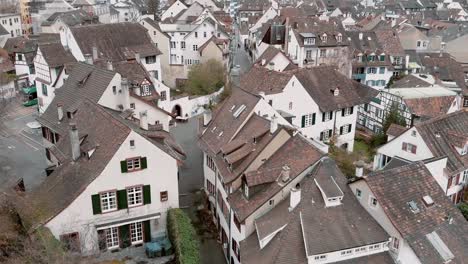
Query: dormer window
point(339, 37)
point(371, 57)
point(336, 92)
point(324, 37)
point(309, 41)
point(246, 190)
point(145, 90)
point(382, 57)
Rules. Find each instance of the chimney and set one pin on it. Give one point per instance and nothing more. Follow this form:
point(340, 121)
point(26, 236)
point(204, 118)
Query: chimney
point(74, 141)
point(95, 53)
point(88, 59)
point(144, 120)
point(295, 197)
point(206, 117)
point(109, 66)
point(60, 111)
point(285, 173)
point(263, 62)
point(360, 35)
point(137, 57)
point(359, 168)
point(273, 124)
point(271, 66)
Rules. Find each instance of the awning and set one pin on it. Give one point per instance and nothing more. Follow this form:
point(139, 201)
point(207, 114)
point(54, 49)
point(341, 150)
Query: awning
point(128, 221)
point(29, 90)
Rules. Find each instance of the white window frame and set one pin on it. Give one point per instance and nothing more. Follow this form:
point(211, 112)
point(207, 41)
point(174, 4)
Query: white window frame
point(358, 193)
point(326, 135)
point(108, 201)
point(133, 164)
point(328, 116)
point(135, 196)
point(371, 199)
point(195, 47)
point(308, 120)
point(347, 111)
point(112, 237)
point(136, 233)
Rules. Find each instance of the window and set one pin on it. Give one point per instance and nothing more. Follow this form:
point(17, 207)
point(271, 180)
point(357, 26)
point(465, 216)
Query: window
point(308, 54)
point(108, 201)
point(132, 105)
point(382, 58)
point(413, 133)
point(20, 57)
point(210, 187)
point(371, 58)
point(373, 202)
point(323, 53)
point(44, 89)
point(163, 95)
point(395, 243)
point(347, 111)
point(327, 116)
point(210, 163)
point(164, 196)
point(308, 120)
point(290, 105)
point(408, 147)
point(112, 237)
point(235, 248)
point(346, 252)
point(372, 70)
point(309, 41)
point(321, 257)
point(271, 202)
point(326, 135)
point(173, 45)
point(133, 164)
point(204, 34)
point(132, 143)
point(114, 89)
point(339, 38)
point(358, 193)
point(418, 43)
point(154, 33)
point(182, 44)
point(382, 70)
point(136, 233)
point(324, 37)
point(150, 59)
point(145, 90)
point(345, 129)
point(71, 241)
point(135, 196)
point(195, 47)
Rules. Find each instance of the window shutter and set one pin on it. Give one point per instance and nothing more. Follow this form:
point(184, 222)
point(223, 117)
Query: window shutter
point(349, 128)
point(413, 149)
point(330, 132)
point(321, 135)
point(146, 194)
point(303, 121)
point(323, 117)
point(124, 236)
point(144, 164)
point(96, 200)
point(366, 107)
point(123, 166)
point(146, 231)
point(313, 119)
point(331, 115)
point(341, 130)
point(352, 109)
point(343, 111)
point(122, 199)
point(403, 146)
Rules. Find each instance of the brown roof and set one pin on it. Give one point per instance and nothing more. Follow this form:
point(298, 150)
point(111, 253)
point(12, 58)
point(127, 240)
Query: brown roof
point(396, 130)
point(324, 229)
point(6, 65)
point(259, 79)
point(395, 188)
point(115, 42)
point(390, 42)
point(445, 68)
point(430, 106)
point(55, 55)
point(318, 27)
point(435, 133)
point(410, 81)
point(269, 54)
point(305, 155)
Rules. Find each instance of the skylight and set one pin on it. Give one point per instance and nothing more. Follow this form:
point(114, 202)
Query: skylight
point(239, 111)
point(413, 206)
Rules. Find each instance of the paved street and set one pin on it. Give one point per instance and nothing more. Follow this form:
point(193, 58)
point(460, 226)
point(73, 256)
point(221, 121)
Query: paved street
point(240, 57)
point(191, 182)
point(21, 151)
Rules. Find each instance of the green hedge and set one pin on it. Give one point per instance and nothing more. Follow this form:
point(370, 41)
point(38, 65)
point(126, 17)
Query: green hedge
point(183, 237)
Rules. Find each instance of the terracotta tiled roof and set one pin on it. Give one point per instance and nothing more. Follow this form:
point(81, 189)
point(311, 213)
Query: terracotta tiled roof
point(395, 188)
point(410, 81)
point(269, 54)
point(390, 42)
point(55, 55)
point(396, 130)
point(430, 106)
point(259, 79)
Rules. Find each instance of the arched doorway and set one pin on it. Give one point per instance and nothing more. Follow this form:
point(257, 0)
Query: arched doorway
point(177, 110)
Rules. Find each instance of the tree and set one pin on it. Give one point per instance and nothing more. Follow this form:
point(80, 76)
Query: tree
point(393, 117)
point(205, 78)
point(464, 210)
point(153, 8)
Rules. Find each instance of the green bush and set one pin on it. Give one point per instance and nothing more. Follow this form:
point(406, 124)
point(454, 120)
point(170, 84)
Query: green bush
point(464, 210)
point(183, 237)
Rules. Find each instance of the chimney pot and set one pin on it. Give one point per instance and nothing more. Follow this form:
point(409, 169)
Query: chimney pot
point(359, 168)
point(95, 53)
point(110, 67)
point(74, 141)
point(60, 111)
point(144, 120)
point(295, 197)
point(273, 124)
point(285, 173)
point(360, 35)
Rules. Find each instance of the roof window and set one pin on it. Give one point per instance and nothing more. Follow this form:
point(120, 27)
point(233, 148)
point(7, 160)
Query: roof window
point(413, 206)
point(428, 201)
point(239, 111)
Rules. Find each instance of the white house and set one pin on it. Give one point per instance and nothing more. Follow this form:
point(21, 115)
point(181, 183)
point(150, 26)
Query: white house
point(319, 101)
point(105, 193)
point(173, 10)
point(12, 24)
point(409, 205)
point(443, 136)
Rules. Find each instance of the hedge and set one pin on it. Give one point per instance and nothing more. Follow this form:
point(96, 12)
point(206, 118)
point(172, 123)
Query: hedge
point(183, 237)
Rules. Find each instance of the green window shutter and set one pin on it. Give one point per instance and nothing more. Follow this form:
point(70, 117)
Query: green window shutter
point(146, 194)
point(331, 115)
point(341, 130)
point(321, 135)
point(303, 121)
point(313, 119)
point(144, 164)
point(366, 107)
point(96, 200)
point(146, 231)
point(123, 166)
point(323, 117)
point(122, 199)
point(352, 109)
point(124, 236)
point(342, 112)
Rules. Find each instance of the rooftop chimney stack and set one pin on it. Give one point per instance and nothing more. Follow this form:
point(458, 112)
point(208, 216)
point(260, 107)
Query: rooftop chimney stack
point(60, 111)
point(144, 120)
point(273, 124)
point(285, 173)
point(74, 141)
point(207, 115)
point(359, 168)
point(360, 35)
point(109, 66)
point(95, 53)
point(89, 59)
point(137, 57)
point(295, 197)
point(271, 66)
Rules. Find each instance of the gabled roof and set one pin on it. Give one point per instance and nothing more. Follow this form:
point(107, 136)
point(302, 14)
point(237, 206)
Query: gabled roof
point(269, 54)
point(396, 130)
point(319, 27)
point(436, 134)
point(70, 18)
point(55, 55)
point(115, 42)
point(259, 79)
point(3, 31)
point(430, 107)
point(410, 81)
point(390, 42)
point(395, 188)
point(325, 229)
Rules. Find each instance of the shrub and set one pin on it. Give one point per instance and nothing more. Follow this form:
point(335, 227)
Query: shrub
point(183, 237)
point(464, 210)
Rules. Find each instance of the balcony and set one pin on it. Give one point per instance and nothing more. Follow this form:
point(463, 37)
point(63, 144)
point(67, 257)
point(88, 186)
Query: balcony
point(359, 76)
